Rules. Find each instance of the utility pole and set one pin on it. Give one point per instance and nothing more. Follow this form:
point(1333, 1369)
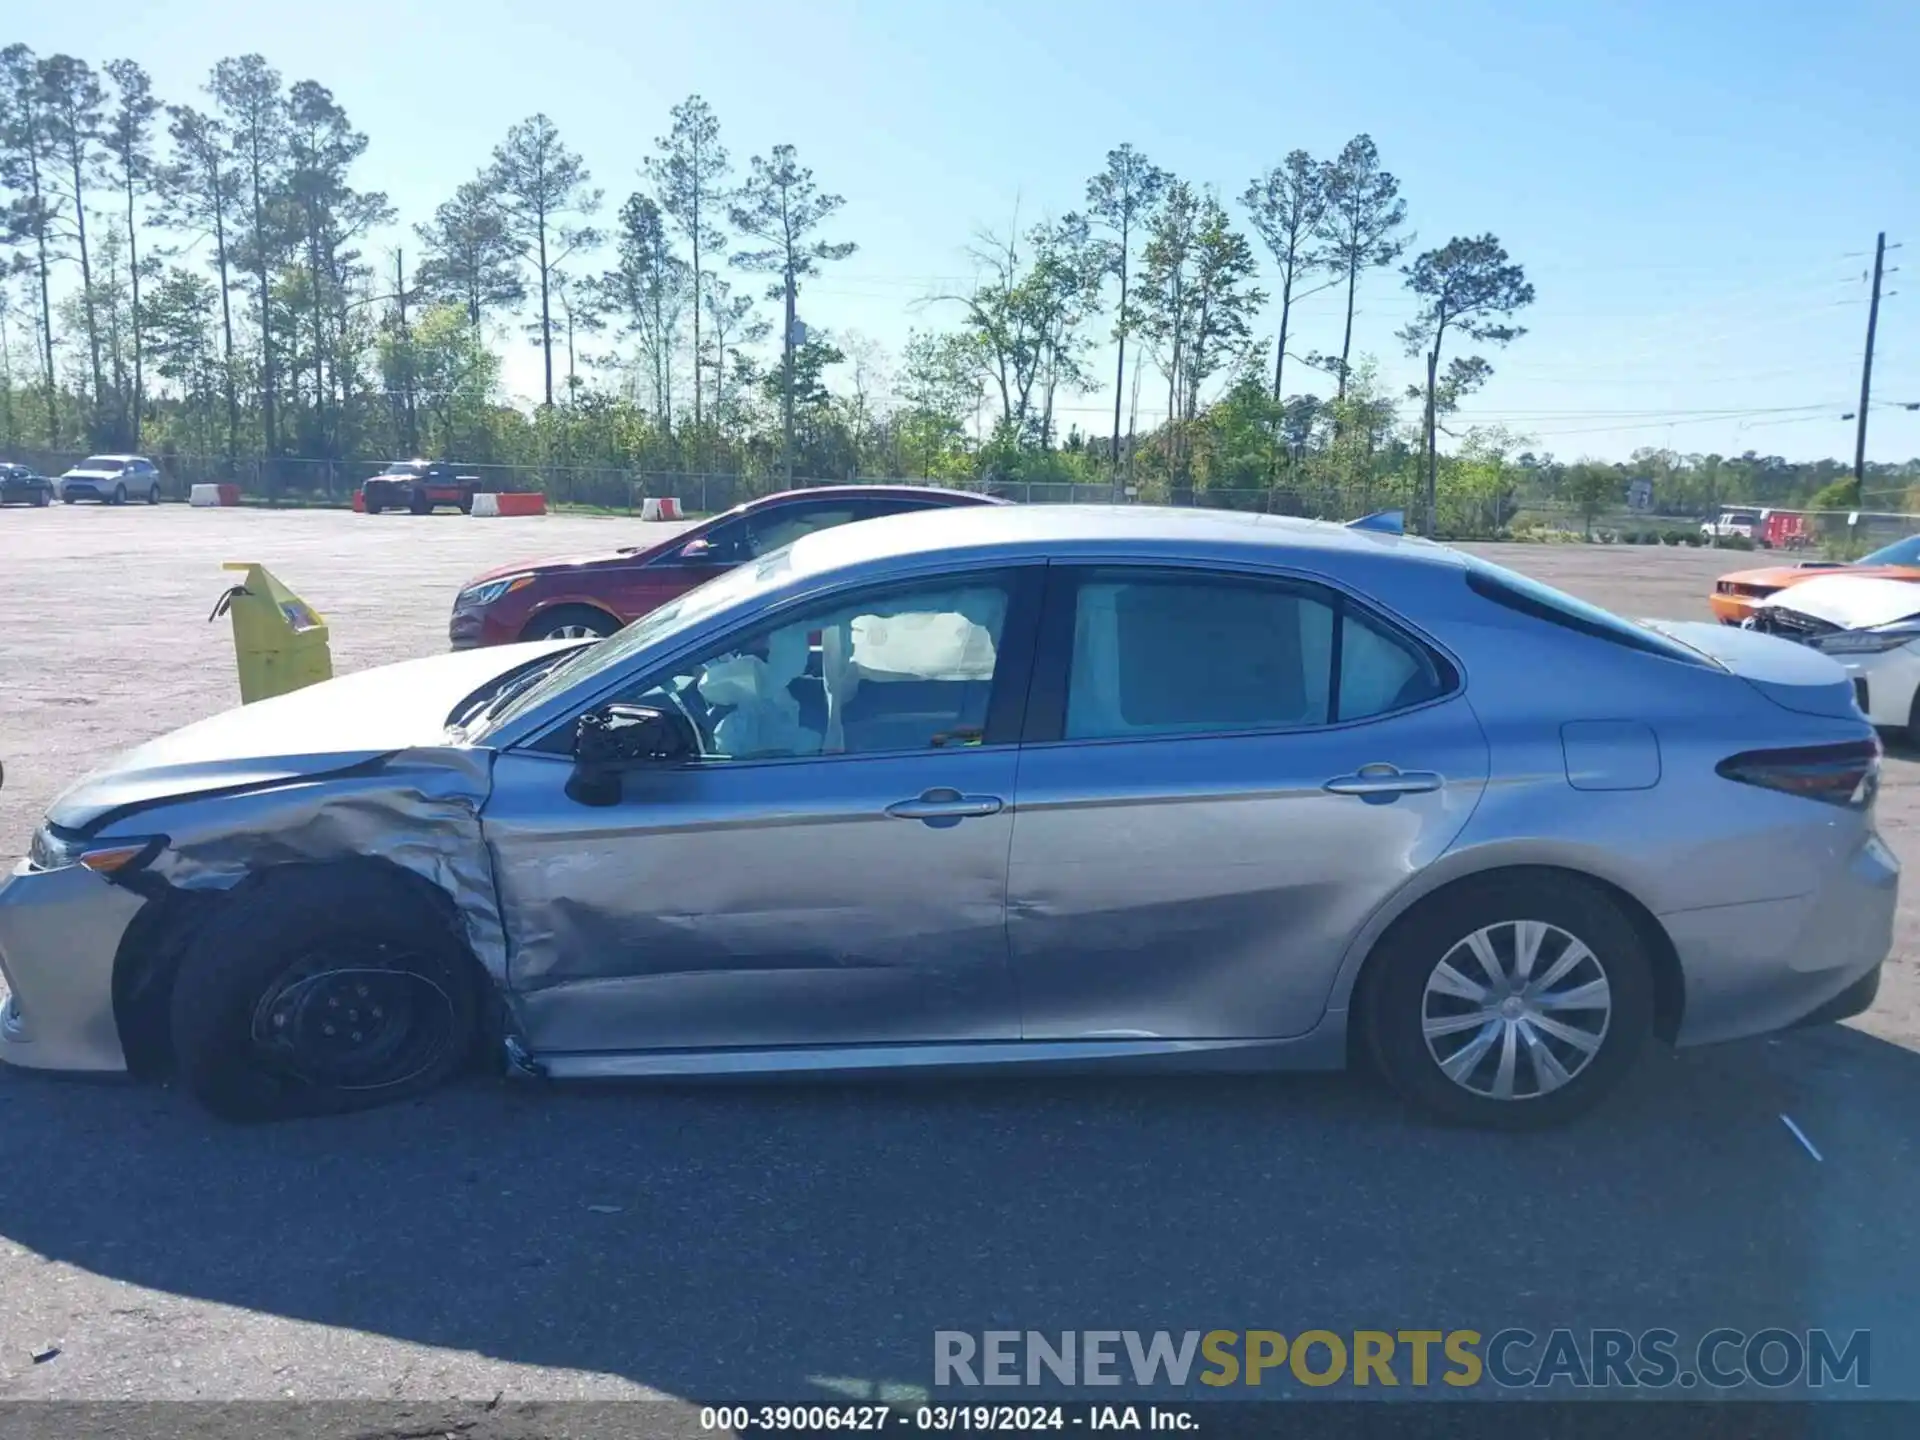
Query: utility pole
point(1866, 376)
point(406, 353)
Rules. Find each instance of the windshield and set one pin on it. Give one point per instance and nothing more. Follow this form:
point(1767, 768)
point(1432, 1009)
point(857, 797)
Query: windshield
point(101, 462)
point(690, 609)
point(1901, 552)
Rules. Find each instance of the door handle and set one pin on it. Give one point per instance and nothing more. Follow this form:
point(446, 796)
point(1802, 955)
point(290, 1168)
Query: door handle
point(1384, 780)
point(944, 804)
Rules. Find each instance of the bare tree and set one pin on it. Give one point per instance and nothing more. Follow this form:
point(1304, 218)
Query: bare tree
point(1468, 285)
point(72, 102)
point(247, 92)
point(649, 285)
point(26, 157)
point(731, 324)
point(1363, 211)
point(780, 206)
point(129, 140)
point(540, 183)
point(199, 191)
point(1121, 197)
point(690, 173)
point(1288, 206)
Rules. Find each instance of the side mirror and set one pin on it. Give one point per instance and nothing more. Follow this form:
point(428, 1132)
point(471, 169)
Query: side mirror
point(696, 549)
point(617, 738)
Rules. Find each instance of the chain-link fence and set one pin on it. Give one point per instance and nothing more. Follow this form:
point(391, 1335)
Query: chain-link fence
point(1458, 515)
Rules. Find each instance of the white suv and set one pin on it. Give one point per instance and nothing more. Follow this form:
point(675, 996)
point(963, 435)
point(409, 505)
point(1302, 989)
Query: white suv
point(112, 480)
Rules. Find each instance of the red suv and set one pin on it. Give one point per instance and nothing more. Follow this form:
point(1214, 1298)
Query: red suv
point(582, 595)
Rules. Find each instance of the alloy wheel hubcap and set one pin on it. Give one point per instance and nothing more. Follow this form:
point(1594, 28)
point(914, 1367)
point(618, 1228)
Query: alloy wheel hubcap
point(573, 632)
point(1516, 1010)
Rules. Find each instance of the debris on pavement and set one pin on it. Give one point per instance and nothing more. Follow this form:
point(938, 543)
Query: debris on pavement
point(1800, 1135)
point(606, 1209)
point(45, 1353)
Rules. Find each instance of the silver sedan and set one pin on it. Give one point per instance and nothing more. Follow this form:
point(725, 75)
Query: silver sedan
point(1011, 786)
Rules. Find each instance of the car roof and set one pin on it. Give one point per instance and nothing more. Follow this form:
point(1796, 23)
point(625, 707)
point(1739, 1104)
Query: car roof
point(930, 493)
point(1144, 530)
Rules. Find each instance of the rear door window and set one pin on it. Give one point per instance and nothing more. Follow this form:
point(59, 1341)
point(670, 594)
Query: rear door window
point(1189, 653)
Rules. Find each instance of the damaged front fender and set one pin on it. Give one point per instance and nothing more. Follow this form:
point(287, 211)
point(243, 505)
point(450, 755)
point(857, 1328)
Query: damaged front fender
point(419, 810)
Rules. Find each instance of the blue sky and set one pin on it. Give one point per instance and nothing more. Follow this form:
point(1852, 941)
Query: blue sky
point(1691, 185)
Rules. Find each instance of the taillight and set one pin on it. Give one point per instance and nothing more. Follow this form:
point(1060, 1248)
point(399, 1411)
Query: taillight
point(1846, 775)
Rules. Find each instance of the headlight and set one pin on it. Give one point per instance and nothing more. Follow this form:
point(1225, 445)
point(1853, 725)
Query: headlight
point(1865, 642)
point(55, 850)
point(476, 597)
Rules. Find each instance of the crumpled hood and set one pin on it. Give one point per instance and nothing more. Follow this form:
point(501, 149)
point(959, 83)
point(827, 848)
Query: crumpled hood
point(593, 560)
point(314, 731)
point(1853, 602)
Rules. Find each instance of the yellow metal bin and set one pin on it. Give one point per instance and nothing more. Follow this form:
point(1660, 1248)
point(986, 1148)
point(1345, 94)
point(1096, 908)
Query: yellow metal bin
point(279, 641)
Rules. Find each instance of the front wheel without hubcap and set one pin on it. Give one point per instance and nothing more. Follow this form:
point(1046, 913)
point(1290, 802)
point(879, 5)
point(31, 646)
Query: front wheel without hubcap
point(321, 991)
point(1510, 1004)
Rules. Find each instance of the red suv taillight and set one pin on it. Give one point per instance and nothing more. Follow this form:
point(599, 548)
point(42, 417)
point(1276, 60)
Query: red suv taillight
point(1847, 775)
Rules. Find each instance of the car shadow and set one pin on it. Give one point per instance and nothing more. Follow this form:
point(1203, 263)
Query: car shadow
point(807, 1241)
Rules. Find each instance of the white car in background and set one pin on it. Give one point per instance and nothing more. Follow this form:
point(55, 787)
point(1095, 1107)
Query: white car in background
point(112, 480)
point(1733, 524)
point(1871, 626)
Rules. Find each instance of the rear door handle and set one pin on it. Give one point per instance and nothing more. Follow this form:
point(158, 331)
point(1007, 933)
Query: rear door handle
point(1385, 780)
point(944, 804)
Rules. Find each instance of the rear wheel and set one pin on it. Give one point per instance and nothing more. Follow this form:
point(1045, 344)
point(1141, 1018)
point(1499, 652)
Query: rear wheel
point(119, 495)
point(570, 622)
point(41, 497)
point(1511, 1003)
point(324, 990)
point(153, 493)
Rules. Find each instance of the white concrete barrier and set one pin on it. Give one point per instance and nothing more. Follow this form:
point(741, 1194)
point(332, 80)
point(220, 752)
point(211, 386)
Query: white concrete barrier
point(485, 504)
point(204, 495)
point(661, 508)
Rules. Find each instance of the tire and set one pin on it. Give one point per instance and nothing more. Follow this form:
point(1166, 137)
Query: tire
point(1911, 734)
point(153, 494)
point(374, 507)
point(268, 990)
point(570, 622)
point(418, 504)
point(119, 495)
point(42, 499)
point(466, 504)
point(66, 499)
point(1403, 992)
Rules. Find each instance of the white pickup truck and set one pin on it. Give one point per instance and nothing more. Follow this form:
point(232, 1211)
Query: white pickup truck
point(1730, 523)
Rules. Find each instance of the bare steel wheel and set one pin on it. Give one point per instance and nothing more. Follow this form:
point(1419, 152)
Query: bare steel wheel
point(1513, 1000)
point(318, 989)
point(365, 1026)
point(1516, 1010)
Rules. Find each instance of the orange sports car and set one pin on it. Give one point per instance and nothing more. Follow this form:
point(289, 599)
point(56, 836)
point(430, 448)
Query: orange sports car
point(1735, 595)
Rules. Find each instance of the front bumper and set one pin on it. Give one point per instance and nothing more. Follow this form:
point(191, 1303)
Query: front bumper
point(1732, 609)
point(85, 490)
point(1756, 968)
point(467, 629)
point(60, 931)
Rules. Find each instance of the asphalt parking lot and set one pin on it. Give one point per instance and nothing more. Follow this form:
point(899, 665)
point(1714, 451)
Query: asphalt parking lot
point(806, 1242)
